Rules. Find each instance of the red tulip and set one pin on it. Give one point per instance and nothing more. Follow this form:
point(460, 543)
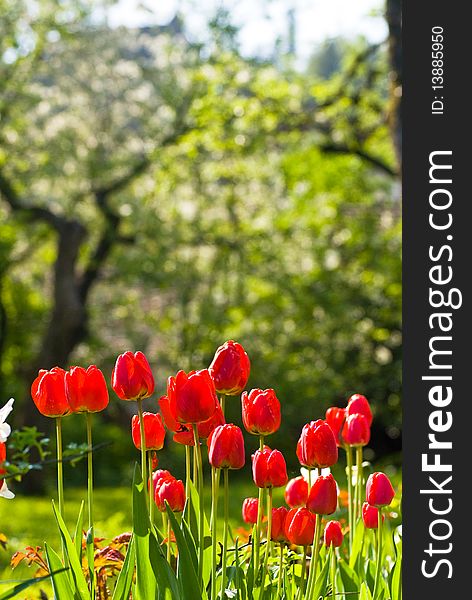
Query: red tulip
point(379, 490)
point(250, 509)
point(132, 377)
point(296, 492)
point(86, 390)
point(3, 458)
point(159, 477)
point(335, 418)
point(154, 432)
point(171, 491)
point(192, 396)
point(230, 368)
point(183, 434)
point(359, 404)
point(278, 524)
point(300, 526)
point(356, 430)
point(269, 468)
point(370, 516)
point(49, 393)
point(317, 447)
point(261, 411)
point(323, 496)
point(333, 534)
point(226, 447)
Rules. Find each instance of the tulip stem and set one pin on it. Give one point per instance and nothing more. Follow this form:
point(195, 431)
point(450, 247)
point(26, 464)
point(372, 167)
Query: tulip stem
point(169, 534)
point(309, 479)
point(359, 480)
point(198, 456)
point(333, 571)
point(188, 466)
point(60, 478)
point(222, 403)
point(269, 533)
point(88, 417)
point(143, 446)
point(151, 489)
point(260, 507)
point(379, 552)
point(349, 493)
point(281, 568)
point(225, 532)
point(303, 577)
point(214, 521)
point(314, 557)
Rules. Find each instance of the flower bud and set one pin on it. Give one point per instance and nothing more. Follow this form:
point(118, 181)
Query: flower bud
point(261, 411)
point(49, 393)
point(370, 516)
point(359, 404)
point(192, 396)
point(300, 526)
point(250, 509)
point(296, 492)
point(230, 368)
point(154, 432)
point(323, 496)
point(132, 377)
point(317, 447)
point(379, 490)
point(333, 534)
point(278, 524)
point(226, 447)
point(356, 430)
point(269, 468)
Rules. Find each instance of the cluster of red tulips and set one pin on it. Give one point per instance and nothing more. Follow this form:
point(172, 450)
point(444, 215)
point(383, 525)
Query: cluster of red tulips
point(193, 412)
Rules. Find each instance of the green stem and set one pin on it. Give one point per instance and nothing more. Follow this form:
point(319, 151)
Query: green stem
point(359, 480)
point(143, 447)
point(349, 494)
point(188, 467)
point(281, 568)
point(314, 557)
point(269, 533)
point(223, 403)
point(169, 535)
point(379, 553)
point(301, 591)
point(260, 506)
point(225, 533)
point(88, 417)
point(198, 456)
point(333, 571)
point(195, 466)
point(151, 489)
point(309, 479)
point(214, 521)
point(60, 477)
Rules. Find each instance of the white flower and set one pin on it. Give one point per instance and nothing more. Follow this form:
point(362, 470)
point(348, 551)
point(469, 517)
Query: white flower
point(5, 429)
point(5, 492)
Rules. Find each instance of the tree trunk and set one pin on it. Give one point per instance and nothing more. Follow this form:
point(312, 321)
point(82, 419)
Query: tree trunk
point(394, 22)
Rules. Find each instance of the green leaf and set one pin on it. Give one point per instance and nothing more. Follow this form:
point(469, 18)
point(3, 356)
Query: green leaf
point(396, 582)
point(78, 531)
point(125, 578)
point(321, 581)
point(90, 548)
point(365, 592)
point(186, 574)
point(357, 544)
point(60, 580)
point(349, 577)
point(23, 585)
point(73, 559)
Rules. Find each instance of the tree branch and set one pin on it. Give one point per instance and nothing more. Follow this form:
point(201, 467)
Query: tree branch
point(373, 160)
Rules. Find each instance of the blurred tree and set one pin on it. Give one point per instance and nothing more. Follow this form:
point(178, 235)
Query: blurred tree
point(166, 197)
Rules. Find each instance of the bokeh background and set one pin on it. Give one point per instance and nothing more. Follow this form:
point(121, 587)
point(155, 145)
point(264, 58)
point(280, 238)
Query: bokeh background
point(176, 174)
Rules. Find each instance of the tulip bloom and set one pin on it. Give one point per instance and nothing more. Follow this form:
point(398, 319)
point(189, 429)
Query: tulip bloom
point(356, 430)
point(269, 468)
point(261, 411)
point(132, 378)
point(278, 524)
point(226, 447)
point(323, 497)
point(335, 418)
point(296, 492)
point(159, 476)
point(86, 389)
point(154, 431)
point(300, 526)
point(379, 490)
point(370, 516)
point(192, 396)
point(49, 393)
point(317, 447)
point(171, 491)
point(333, 534)
point(249, 510)
point(359, 404)
point(230, 368)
